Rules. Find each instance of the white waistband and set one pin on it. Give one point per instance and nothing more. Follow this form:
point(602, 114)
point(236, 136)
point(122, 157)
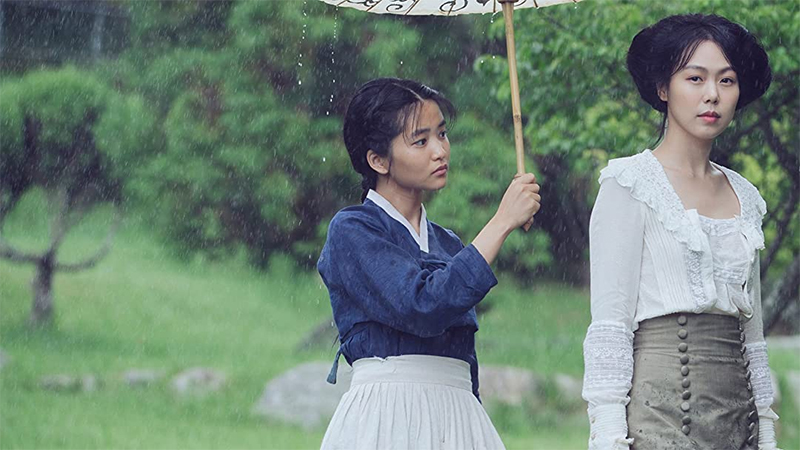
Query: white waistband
point(413, 369)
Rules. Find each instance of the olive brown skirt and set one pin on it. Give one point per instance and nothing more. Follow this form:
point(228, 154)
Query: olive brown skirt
point(691, 385)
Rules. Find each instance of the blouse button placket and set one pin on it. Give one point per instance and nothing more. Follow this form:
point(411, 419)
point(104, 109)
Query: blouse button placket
point(751, 427)
point(683, 348)
point(752, 416)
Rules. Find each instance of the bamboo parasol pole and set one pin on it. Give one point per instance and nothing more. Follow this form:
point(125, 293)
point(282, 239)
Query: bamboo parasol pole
point(511, 53)
point(508, 15)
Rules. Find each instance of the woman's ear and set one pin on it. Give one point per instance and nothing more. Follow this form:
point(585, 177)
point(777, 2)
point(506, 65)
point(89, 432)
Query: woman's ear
point(379, 164)
point(662, 92)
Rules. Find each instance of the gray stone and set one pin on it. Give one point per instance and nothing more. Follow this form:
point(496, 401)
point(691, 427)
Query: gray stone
point(569, 388)
point(61, 383)
point(90, 383)
point(198, 381)
point(509, 386)
point(302, 396)
point(142, 377)
point(70, 383)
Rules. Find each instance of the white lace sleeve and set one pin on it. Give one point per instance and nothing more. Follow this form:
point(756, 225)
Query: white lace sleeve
point(758, 362)
point(608, 359)
point(616, 240)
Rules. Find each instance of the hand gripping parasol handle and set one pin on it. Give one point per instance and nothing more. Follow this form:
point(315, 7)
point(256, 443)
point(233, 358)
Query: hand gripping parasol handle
point(511, 51)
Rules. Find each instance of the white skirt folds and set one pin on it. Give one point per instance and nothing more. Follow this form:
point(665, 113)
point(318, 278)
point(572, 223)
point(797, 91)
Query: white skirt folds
point(410, 402)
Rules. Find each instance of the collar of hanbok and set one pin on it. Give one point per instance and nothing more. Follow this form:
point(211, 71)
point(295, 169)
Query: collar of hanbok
point(422, 237)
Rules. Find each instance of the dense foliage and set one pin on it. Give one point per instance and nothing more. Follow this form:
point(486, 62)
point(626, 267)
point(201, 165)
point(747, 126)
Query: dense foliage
point(248, 98)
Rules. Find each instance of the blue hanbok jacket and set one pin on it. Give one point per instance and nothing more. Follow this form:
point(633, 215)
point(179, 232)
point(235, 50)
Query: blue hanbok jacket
point(390, 298)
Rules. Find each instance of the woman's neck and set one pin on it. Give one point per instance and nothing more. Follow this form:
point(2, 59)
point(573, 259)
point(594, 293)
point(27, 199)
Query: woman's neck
point(407, 202)
point(685, 153)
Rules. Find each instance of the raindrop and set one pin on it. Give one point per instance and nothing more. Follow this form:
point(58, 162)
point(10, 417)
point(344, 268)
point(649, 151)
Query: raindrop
point(333, 59)
point(303, 38)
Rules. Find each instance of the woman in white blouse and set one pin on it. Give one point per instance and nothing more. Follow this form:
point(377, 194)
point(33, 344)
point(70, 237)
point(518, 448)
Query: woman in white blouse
point(675, 355)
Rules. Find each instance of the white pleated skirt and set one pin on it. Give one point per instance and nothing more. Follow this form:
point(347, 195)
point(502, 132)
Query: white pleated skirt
point(410, 402)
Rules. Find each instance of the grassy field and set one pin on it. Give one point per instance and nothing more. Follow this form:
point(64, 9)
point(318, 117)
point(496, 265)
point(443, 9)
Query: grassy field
point(144, 308)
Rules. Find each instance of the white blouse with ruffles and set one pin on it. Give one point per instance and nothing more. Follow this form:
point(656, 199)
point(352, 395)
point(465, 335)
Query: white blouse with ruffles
point(651, 257)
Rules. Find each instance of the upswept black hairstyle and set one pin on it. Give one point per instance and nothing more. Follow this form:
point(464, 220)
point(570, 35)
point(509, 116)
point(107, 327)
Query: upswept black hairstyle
point(378, 113)
point(661, 50)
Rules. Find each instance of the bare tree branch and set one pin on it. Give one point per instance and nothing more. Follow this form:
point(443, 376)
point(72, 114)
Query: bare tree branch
point(784, 292)
point(14, 255)
point(781, 227)
point(763, 118)
point(60, 223)
point(788, 160)
point(7, 203)
point(101, 253)
point(79, 206)
point(791, 165)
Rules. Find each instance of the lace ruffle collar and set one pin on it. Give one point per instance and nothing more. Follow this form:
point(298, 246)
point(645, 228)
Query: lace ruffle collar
point(648, 183)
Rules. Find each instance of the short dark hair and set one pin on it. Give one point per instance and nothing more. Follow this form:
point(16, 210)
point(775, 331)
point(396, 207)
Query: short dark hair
point(378, 113)
point(661, 50)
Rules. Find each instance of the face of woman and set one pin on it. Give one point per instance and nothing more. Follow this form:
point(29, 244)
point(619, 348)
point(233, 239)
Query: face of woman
point(702, 96)
point(419, 155)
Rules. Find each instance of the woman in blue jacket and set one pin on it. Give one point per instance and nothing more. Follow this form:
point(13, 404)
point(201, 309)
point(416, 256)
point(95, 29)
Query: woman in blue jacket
point(403, 289)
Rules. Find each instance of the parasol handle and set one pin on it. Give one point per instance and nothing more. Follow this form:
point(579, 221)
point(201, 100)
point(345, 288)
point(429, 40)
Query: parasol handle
point(508, 15)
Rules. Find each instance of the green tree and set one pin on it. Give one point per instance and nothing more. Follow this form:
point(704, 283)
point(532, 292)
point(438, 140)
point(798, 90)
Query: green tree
point(67, 134)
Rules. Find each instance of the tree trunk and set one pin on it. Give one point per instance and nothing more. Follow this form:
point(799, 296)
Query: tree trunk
point(42, 310)
point(568, 227)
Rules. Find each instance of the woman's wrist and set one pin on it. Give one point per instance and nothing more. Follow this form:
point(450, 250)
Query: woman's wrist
point(491, 238)
point(500, 227)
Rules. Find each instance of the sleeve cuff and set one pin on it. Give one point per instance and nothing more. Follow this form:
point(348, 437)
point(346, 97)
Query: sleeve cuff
point(608, 427)
point(766, 432)
point(476, 272)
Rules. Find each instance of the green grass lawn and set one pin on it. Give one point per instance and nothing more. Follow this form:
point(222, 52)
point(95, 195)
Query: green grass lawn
point(143, 308)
